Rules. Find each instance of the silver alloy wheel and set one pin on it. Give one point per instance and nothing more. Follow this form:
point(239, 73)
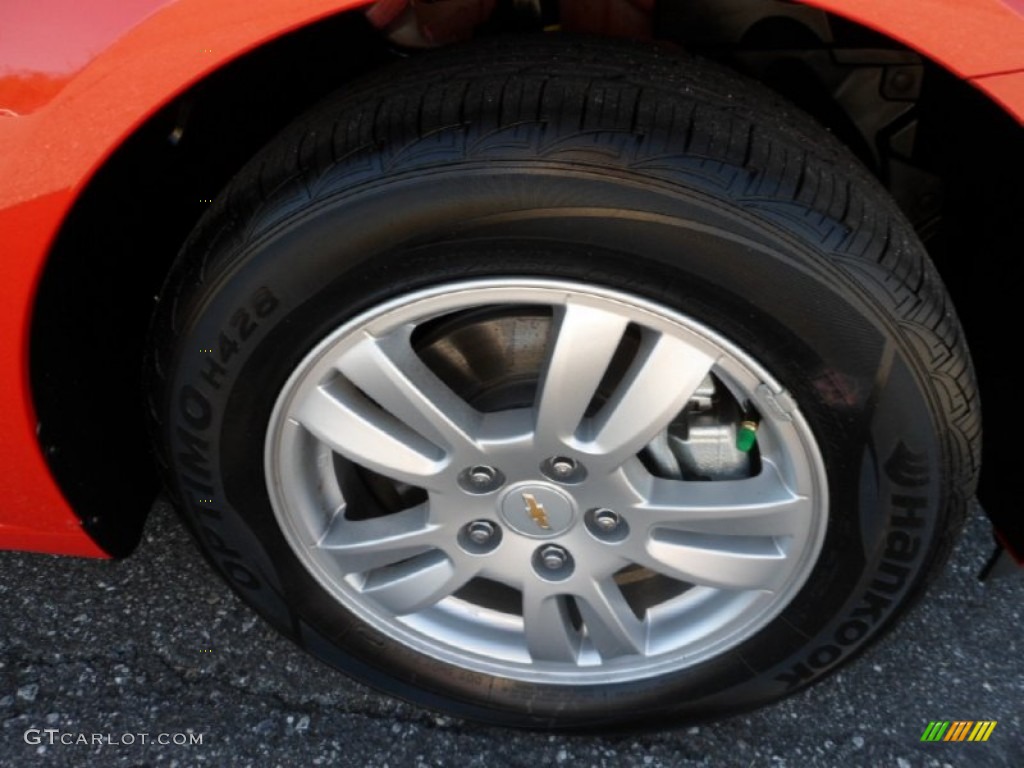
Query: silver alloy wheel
point(520, 556)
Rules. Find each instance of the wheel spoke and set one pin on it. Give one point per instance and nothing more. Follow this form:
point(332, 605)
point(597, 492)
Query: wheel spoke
point(611, 624)
point(757, 506)
point(585, 340)
point(728, 534)
point(550, 635)
point(339, 415)
point(390, 372)
point(728, 562)
point(362, 545)
point(664, 375)
point(418, 583)
point(713, 560)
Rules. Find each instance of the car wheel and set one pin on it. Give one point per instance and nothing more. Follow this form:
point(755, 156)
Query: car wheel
point(562, 383)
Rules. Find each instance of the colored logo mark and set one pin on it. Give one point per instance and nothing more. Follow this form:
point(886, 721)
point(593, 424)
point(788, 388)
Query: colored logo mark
point(536, 510)
point(958, 730)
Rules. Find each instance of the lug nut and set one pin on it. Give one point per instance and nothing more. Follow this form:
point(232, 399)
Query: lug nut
point(606, 520)
point(553, 563)
point(481, 479)
point(563, 469)
point(562, 466)
point(482, 476)
point(606, 525)
point(481, 531)
point(480, 537)
point(554, 558)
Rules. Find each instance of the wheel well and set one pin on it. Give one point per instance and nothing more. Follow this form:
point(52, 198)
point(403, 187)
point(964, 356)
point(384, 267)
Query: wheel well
point(950, 157)
point(110, 258)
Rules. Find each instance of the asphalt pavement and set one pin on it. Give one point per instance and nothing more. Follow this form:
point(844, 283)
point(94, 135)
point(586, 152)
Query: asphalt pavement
point(155, 648)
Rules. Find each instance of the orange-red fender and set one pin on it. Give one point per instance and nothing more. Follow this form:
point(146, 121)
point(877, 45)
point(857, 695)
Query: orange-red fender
point(75, 80)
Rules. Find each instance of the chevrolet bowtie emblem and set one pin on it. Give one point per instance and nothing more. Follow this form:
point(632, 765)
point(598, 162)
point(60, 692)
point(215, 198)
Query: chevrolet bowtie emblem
point(536, 510)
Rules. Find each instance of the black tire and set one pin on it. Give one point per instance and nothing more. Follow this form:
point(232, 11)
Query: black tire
point(658, 175)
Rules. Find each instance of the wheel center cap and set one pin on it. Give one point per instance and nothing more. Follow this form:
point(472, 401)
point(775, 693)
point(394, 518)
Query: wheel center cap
point(538, 511)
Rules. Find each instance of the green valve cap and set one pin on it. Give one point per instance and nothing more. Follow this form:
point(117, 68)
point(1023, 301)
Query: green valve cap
point(747, 436)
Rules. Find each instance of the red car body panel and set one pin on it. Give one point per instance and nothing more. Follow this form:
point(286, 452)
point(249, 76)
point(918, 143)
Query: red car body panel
point(1006, 89)
point(90, 85)
point(968, 37)
point(76, 79)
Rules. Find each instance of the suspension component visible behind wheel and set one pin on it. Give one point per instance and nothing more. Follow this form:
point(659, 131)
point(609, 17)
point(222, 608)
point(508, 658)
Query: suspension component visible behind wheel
point(562, 383)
